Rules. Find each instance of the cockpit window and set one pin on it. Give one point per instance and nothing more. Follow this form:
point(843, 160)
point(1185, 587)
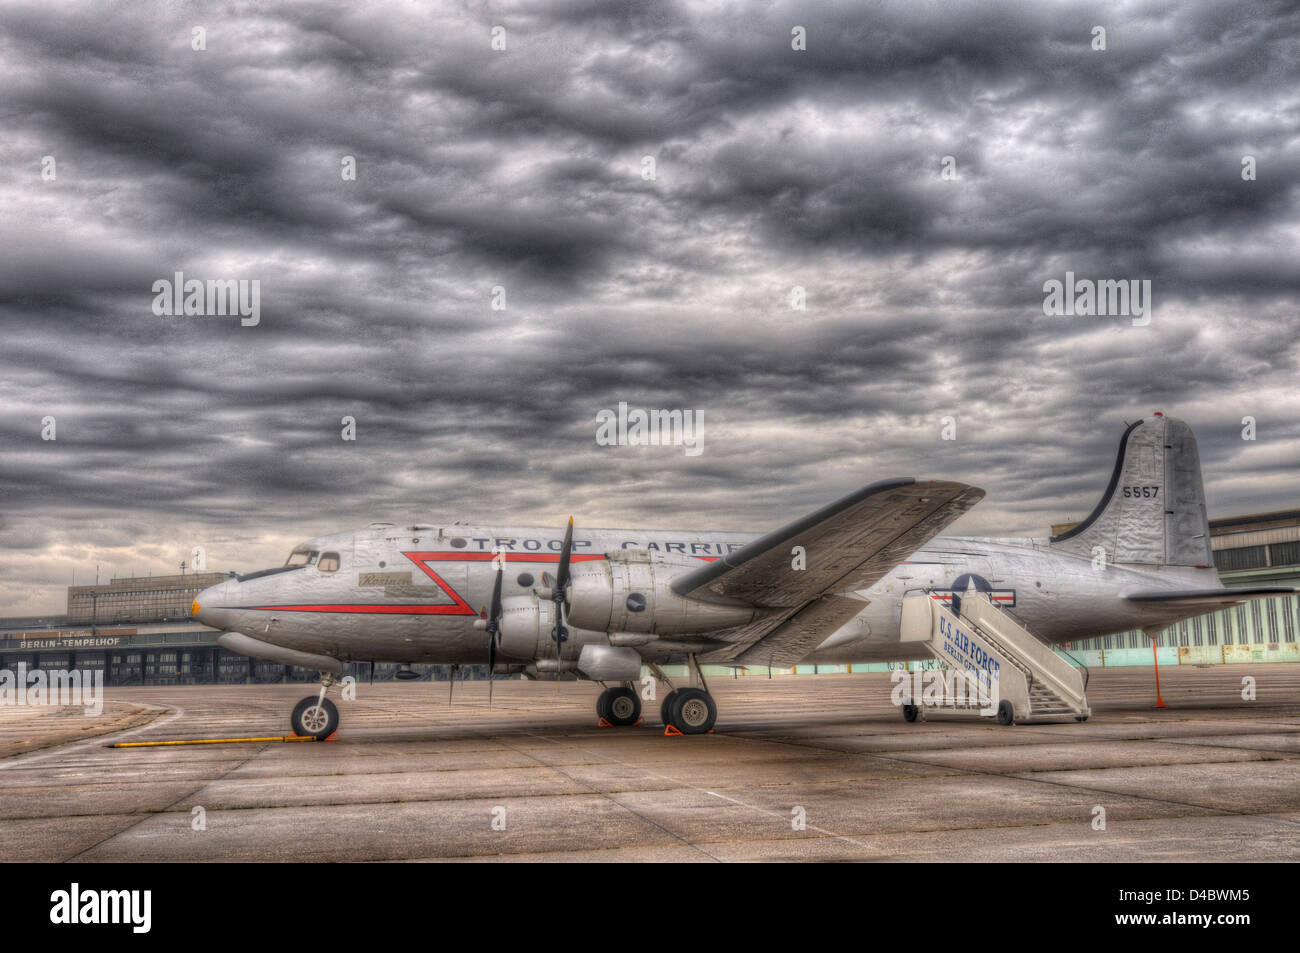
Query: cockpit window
point(302, 556)
point(266, 572)
point(329, 562)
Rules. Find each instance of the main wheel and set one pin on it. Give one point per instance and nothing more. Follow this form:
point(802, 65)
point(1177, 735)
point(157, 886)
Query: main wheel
point(619, 706)
point(910, 712)
point(314, 720)
point(693, 711)
point(666, 706)
point(1080, 717)
point(624, 706)
point(1006, 713)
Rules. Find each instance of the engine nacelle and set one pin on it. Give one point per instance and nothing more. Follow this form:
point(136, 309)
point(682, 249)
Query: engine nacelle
point(526, 623)
point(628, 591)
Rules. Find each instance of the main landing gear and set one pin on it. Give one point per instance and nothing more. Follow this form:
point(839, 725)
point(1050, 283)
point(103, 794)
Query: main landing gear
point(689, 710)
point(619, 706)
point(316, 716)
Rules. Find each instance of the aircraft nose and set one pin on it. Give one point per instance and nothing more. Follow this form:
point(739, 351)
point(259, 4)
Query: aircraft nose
point(210, 605)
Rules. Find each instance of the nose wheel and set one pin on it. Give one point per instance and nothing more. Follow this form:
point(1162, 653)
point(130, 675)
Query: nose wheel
point(619, 706)
point(316, 716)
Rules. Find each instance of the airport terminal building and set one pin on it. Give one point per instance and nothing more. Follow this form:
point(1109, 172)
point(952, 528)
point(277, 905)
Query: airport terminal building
point(139, 630)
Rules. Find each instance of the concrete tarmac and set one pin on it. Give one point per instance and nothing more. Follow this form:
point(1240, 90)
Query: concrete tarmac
point(799, 768)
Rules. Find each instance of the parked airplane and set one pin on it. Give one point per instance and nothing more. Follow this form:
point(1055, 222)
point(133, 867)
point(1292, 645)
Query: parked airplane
point(826, 588)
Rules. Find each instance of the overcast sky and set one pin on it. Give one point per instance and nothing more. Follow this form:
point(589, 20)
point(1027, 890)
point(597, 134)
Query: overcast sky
point(524, 169)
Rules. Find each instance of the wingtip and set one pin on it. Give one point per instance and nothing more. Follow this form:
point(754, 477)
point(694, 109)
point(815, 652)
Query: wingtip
point(957, 486)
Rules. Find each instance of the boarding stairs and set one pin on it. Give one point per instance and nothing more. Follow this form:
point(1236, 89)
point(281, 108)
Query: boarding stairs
point(1026, 679)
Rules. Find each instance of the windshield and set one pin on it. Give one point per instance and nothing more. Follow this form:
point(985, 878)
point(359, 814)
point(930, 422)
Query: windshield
point(302, 556)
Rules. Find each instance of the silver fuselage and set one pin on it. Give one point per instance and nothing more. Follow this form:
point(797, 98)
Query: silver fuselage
point(414, 595)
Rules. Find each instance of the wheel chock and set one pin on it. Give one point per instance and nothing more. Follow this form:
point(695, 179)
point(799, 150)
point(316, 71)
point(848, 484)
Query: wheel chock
point(604, 723)
point(670, 731)
point(639, 722)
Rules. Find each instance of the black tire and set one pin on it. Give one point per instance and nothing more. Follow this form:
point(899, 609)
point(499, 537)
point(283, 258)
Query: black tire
point(910, 712)
point(666, 707)
point(622, 706)
point(309, 722)
point(693, 711)
point(1006, 713)
point(602, 704)
point(1080, 717)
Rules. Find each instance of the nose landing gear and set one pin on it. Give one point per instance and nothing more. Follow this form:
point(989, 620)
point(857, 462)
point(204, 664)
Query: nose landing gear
point(316, 716)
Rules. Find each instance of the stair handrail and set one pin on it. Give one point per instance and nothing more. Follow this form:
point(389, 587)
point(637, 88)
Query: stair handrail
point(1043, 645)
point(1010, 656)
point(1023, 669)
point(1087, 673)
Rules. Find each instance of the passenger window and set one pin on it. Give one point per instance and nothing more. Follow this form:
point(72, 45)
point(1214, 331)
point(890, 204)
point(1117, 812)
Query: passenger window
point(329, 562)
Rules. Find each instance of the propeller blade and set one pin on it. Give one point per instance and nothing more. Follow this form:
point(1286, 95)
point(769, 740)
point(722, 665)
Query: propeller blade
point(559, 596)
point(496, 596)
point(562, 573)
point(494, 629)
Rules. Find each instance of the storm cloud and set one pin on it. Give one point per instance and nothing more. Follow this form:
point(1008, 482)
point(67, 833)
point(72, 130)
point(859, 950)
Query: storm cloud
point(522, 176)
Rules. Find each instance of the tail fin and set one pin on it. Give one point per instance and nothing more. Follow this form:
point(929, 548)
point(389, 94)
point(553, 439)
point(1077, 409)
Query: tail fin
point(1153, 511)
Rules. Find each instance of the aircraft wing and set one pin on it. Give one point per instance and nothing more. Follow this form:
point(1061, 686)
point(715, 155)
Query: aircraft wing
point(848, 545)
point(1209, 599)
point(788, 636)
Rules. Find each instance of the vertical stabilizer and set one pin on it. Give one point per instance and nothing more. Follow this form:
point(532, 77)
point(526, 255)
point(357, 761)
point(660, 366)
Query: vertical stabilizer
point(1153, 511)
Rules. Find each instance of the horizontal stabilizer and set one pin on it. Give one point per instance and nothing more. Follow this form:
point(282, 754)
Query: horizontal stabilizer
point(1209, 599)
